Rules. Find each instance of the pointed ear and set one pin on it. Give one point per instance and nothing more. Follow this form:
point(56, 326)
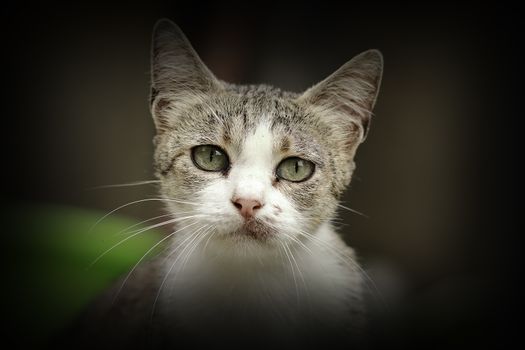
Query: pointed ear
point(177, 72)
point(349, 94)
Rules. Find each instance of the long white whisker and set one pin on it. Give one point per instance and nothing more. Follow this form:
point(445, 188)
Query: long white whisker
point(140, 223)
point(186, 239)
point(353, 211)
point(208, 240)
point(189, 245)
point(348, 259)
point(137, 233)
point(146, 254)
point(171, 268)
point(136, 202)
point(293, 271)
point(201, 236)
point(157, 217)
point(128, 184)
point(297, 266)
point(296, 241)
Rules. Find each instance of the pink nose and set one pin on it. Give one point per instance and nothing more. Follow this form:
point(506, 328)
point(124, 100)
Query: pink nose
point(247, 207)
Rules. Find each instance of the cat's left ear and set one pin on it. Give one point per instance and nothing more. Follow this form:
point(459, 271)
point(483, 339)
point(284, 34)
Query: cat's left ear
point(349, 94)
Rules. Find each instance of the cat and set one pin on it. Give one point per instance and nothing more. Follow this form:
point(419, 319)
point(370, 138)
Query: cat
point(252, 176)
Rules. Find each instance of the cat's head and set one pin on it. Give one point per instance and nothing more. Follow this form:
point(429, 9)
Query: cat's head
point(254, 164)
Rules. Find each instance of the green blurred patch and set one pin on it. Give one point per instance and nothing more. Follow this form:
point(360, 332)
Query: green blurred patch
point(49, 252)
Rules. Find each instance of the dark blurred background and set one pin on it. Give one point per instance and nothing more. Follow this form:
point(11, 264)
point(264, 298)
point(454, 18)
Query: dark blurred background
point(438, 176)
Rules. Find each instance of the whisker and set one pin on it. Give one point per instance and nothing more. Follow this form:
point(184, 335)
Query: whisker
point(140, 223)
point(293, 271)
point(208, 240)
point(201, 236)
point(167, 222)
point(136, 202)
point(121, 207)
point(152, 219)
point(146, 254)
point(304, 246)
point(197, 231)
point(180, 201)
point(348, 259)
point(171, 268)
point(128, 184)
point(297, 266)
point(292, 238)
point(189, 245)
point(353, 211)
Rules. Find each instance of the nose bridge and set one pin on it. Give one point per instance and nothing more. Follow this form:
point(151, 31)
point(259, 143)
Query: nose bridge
point(252, 175)
point(250, 182)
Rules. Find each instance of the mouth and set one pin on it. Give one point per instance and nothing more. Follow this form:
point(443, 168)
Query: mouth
point(255, 229)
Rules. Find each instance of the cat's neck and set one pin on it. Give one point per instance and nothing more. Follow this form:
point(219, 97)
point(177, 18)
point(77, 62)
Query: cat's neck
point(213, 282)
point(314, 263)
point(226, 253)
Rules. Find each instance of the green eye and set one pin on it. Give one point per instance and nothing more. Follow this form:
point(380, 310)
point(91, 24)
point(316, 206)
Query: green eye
point(209, 158)
point(295, 169)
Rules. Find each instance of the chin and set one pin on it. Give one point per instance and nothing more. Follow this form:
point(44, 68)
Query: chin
point(252, 238)
point(256, 230)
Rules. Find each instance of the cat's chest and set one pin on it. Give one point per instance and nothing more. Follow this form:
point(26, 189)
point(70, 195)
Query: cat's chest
point(278, 293)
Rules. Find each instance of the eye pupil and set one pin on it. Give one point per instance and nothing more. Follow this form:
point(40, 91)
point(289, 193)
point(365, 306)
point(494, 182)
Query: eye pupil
point(209, 158)
point(296, 166)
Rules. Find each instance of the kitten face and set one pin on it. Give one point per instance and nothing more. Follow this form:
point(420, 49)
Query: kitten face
point(256, 136)
point(255, 128)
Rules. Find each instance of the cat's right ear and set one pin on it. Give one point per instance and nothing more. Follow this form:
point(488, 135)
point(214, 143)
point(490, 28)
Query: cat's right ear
point(177, 73)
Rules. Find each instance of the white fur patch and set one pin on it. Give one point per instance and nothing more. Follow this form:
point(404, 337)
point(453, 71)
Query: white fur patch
point(251, 175)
